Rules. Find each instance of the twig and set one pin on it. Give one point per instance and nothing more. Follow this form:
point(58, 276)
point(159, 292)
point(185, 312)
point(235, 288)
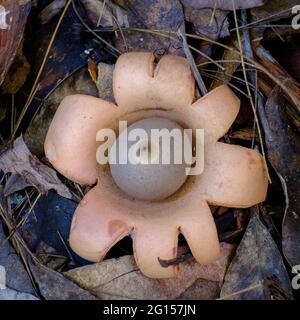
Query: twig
point(175, 261)
point(66, 247)
point(253, 287)
point(249, 52)
point(261, 20)
point(101, 14)
point(93, 32)
point(196, 73)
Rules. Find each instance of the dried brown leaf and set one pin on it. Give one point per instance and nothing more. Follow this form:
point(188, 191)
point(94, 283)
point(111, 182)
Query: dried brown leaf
point(244, 134)
point(12, 23)
point(257, 258)
point(54, 286)
point(104, 81)
point(223, 4)
point(78, 83)
point(105, 13)
point(17, 73)
point(201, 290)
point(233, 61)
point(20, 161)
point(274, 10)
point(283, 145)
point(208, 22)
point(9, 294)
point(155, 14)
point(121, 278)
point(51, 10)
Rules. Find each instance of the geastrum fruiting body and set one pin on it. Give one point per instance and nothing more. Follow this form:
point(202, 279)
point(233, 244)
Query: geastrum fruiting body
point(163, 203)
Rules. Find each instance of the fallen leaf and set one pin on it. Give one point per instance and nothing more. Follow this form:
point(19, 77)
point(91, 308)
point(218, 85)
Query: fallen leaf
point(274, 10)
point(121, 278)
point(273, 289)
point(51, 10)
point(104, 81)
point(78, 83)
point(223, 4)
point(244, 134)
point(50, 222)
point(9, 294)
point(17, 73)
point(54, 286)
point(208, 22)
point(13, 17)
point(67, 54)
point(257, 258)
point(230, 67)
point(290, 87)
point(16, 276)
point(283, 151)
point(105, 14)
point(201, 289)
point(19, 160)
point(14, 183)
point(151, 15)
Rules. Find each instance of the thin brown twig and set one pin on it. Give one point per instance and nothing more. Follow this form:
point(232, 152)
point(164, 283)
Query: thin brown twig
point(92, 31)
point(253, 287)
point(249, 91)
point(195, 70)
point(263, 19)
point(101, 13)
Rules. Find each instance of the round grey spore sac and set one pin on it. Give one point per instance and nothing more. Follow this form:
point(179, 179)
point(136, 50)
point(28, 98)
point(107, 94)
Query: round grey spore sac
point(155, 169)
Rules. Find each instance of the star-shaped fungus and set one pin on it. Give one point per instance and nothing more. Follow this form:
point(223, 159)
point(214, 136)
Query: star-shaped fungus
point(156, 203)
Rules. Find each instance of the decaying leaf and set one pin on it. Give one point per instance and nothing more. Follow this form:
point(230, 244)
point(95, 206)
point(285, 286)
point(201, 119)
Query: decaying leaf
point(17, 73)
point(9, 294)
point(202, 289)
point(19, 160)
point(51, 10)
point(257, 258)
point(104, 81)
point(274, 10)
point(54, 286)
point(77, 83)
point(121, 278)
point(16, 276)
point(273, 289)
point(283, 146)
point(154, 14)
point(290, 87)
point(223, 4)
point(231, 62)
point(208, 22)
point(49, 223)
point(105, 14)
point(244, 134)
point(67, 54)
point(13, 17)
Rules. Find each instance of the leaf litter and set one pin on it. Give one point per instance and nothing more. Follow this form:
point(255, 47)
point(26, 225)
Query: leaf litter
point(79, 43)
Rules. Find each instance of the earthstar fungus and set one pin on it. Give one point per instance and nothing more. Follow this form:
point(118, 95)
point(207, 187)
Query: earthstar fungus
point(233, 176)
